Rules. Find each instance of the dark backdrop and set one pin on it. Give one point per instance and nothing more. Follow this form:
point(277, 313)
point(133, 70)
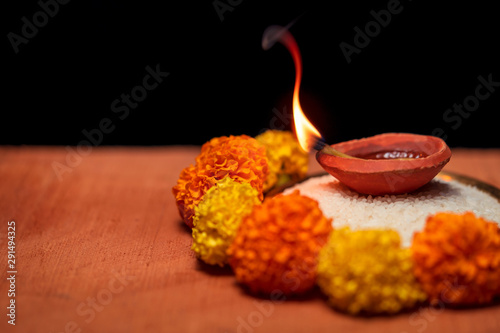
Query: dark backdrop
point(71, 75)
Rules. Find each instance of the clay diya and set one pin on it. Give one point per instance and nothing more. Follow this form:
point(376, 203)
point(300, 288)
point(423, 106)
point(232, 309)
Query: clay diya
point(390, 163)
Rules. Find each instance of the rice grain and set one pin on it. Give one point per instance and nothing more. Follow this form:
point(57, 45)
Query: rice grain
point(405, 213)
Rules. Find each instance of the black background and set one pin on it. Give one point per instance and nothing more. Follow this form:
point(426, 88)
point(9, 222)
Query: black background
point(221, 82)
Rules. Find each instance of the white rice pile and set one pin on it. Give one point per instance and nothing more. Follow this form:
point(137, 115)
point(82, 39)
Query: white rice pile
point(405, 213)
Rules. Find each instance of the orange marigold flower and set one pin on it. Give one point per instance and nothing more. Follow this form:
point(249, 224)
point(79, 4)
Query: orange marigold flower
point(190, 188)
point(277, 245)
point(457, 258)
point(240, 157)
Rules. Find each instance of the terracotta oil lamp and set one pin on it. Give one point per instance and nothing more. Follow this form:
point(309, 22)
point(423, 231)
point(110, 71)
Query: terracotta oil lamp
point(390, 163)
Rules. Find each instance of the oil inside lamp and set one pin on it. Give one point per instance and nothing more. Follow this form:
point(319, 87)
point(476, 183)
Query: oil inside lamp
point(389, 163)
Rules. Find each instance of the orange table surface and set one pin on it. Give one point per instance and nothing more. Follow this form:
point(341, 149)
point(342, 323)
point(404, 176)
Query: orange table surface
point(100, 247)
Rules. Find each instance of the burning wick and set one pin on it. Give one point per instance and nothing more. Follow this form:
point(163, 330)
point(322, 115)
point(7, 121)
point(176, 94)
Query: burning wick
point(307, 135)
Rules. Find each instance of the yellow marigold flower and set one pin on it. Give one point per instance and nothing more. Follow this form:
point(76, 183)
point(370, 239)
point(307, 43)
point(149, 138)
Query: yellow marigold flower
point(367, 271)
point(239, 157)
point(285, 157)
point(457, 258)
point(276, 245)
point(218, 216)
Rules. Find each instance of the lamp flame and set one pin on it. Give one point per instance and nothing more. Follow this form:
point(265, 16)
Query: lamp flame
point(307, 134)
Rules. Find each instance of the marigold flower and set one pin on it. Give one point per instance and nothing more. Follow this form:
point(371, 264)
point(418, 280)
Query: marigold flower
point(190, 188)
point(367, 271)
point(276, 245)
point(240, 157)
point(218, 216)
point(457, 258)
point(285, 157)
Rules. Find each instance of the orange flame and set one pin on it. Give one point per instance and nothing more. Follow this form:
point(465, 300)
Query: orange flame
point(306, 133)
